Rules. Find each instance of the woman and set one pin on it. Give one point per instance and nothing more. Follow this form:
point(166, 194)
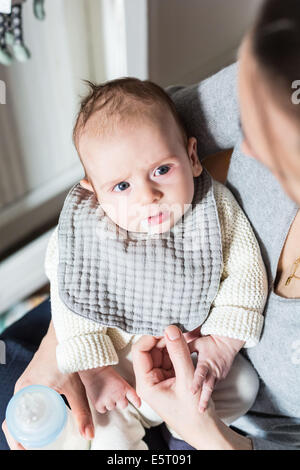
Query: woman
point(268, 188)
point(269, 64)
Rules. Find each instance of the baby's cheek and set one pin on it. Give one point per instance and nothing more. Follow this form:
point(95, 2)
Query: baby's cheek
point(118, 213)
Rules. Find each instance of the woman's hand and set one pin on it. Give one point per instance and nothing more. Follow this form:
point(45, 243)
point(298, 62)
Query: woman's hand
point(43, 370)
point(165, 383)
point(215, 355)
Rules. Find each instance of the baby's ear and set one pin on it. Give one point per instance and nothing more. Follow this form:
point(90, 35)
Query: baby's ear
point(193, 156)
point(86, 184)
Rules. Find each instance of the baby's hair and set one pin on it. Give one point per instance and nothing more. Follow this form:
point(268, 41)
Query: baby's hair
point(121, 100)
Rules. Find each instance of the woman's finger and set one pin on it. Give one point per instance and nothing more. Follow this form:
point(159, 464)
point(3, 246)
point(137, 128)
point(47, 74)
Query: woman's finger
point(13, 445)
point(75, 393)
point(142, 359)
point(207, 389)
point(166, 361)
point(179, 354)
point(157, 357)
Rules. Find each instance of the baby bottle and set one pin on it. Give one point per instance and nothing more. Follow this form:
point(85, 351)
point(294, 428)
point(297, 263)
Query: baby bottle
point(39, 419)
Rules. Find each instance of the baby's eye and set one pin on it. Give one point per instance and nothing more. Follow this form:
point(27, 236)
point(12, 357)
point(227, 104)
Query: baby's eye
point(121, 186)
point(163, 169)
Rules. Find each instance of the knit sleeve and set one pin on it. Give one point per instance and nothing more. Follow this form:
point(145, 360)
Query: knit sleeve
point(82, 343)
point(238, 307)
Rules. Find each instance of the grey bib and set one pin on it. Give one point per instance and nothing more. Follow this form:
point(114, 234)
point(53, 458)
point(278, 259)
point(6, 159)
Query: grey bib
point(138, 282)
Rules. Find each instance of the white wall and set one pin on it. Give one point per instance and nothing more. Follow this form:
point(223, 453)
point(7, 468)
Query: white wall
point(125, 37)
point(38, 163)
point(37, 157)
point(191, 39)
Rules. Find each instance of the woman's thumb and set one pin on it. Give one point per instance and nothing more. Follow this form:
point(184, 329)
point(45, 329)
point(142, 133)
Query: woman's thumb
point(179, 354)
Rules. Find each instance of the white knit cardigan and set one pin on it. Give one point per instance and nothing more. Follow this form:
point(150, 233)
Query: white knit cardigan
point(236, 311)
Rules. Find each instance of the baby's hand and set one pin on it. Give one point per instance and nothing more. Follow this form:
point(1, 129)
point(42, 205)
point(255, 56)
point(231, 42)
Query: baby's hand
point(215, 357)
point(107, 389)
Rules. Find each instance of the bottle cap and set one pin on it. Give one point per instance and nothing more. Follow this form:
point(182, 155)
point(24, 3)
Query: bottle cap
point(35, 416)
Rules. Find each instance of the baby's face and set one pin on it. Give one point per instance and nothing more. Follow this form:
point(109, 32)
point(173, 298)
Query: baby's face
point(142, 175)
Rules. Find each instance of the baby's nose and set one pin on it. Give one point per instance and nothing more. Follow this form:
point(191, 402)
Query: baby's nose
point(149, 194)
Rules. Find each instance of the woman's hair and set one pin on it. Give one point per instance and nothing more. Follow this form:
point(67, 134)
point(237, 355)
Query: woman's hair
point(276, 46)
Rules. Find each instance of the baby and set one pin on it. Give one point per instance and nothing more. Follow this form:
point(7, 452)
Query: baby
point(146, 240)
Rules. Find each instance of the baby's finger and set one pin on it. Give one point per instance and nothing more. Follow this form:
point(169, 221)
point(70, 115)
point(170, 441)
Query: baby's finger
point(191, 335)
point(110, 405)
point(161, 343)
point(133, 397)
point(123, 403)
point(101, 408)
point(199, 377)
point(207, 389)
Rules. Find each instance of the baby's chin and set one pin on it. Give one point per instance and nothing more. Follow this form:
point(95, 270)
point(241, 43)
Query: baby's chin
point(163, 227)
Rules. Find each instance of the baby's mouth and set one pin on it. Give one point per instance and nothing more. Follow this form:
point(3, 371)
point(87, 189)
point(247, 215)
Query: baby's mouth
point(158, 218)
